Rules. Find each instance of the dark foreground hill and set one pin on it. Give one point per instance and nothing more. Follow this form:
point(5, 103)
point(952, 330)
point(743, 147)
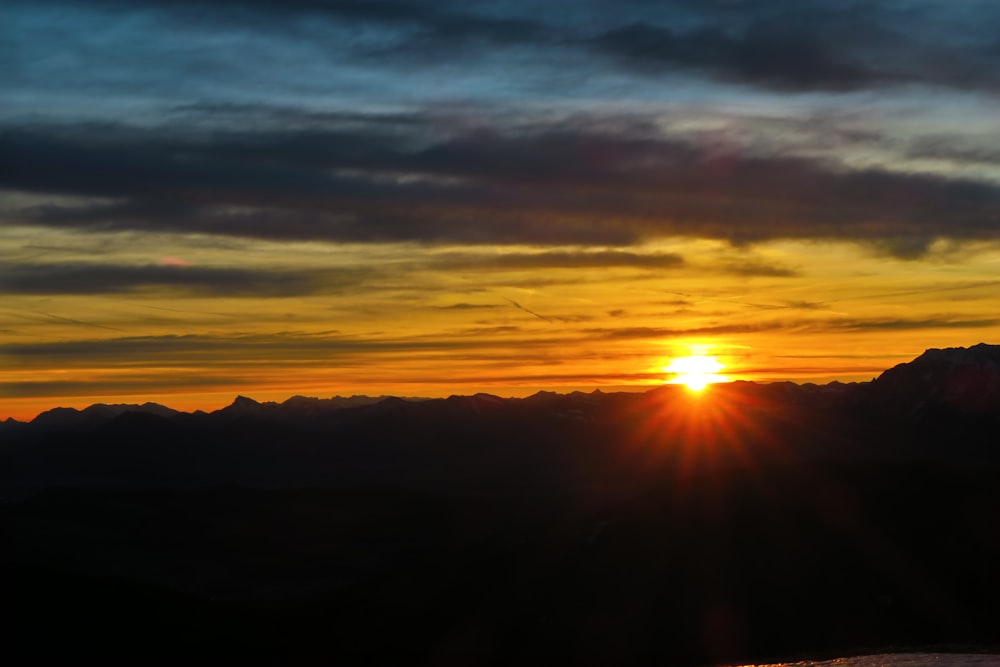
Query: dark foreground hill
point(752, 522)
point(806, 560)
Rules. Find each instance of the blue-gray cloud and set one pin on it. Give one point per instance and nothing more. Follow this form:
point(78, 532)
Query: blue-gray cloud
point(552, 185)
point(192, 47)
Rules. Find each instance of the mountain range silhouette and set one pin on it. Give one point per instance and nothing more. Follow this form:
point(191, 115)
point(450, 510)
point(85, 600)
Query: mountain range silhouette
point(751, 522)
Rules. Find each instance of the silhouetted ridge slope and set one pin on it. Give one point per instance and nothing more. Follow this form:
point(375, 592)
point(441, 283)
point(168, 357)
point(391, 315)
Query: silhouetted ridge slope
point(95, 415)
point(959, 379)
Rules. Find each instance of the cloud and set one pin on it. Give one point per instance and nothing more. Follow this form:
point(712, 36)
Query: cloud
point(503, 329)
point(208, 349)
point(507, 345)
point(558, 259)
point(505, 349)
point(905, 324)
point(550, 186)
point(962, 150)
point(797, 58)
point(77, 322)
point(113, 279)
point(659, 333)
point(448, 22)
point(382, 48)
point(811, 325)
point(148, 382)
point(930, 288)
point(468, 306)
point(814, 45)
point(757, 269)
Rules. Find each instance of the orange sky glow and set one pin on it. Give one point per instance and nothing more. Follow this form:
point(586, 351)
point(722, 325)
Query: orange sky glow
point(426, 199)
point(838, 312)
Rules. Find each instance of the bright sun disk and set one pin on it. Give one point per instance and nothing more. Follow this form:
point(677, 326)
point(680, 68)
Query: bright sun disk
point(695, 372)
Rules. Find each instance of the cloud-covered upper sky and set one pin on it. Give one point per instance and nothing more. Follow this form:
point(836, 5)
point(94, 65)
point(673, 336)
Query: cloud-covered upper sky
point(724, 171)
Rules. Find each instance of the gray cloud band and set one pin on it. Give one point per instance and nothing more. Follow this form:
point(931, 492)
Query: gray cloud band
point(548, 187)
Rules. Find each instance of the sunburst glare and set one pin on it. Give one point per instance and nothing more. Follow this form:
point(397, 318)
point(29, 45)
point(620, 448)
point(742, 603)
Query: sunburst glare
point(695, 371)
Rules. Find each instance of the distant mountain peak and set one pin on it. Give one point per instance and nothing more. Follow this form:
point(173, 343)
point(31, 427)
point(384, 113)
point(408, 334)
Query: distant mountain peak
point(960, 378)
point(939, 359)
point(244, 402)
point(241, 406)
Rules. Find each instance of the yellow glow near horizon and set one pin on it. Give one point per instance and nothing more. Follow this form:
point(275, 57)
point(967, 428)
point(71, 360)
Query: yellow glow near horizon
point(440, 321)
point(695, 371)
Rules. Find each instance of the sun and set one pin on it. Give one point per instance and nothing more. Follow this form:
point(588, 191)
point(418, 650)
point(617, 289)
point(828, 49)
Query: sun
point(695, 372)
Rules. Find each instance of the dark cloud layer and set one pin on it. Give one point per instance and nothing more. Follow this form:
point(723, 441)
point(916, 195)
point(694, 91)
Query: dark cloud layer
point(790, 58)
point(113, 279)
point(550, 186)
point(806, 45)
point(818, 45)
point(214, 350)
point(559, 260)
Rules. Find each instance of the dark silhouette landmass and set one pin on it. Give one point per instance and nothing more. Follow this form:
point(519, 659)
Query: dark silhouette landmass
point(751, 522)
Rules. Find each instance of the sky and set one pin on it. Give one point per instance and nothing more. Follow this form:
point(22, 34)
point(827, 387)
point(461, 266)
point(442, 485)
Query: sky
point(324, 197)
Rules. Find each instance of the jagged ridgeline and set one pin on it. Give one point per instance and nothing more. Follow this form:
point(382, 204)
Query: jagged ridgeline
point(943, 406)
point(757, 522)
